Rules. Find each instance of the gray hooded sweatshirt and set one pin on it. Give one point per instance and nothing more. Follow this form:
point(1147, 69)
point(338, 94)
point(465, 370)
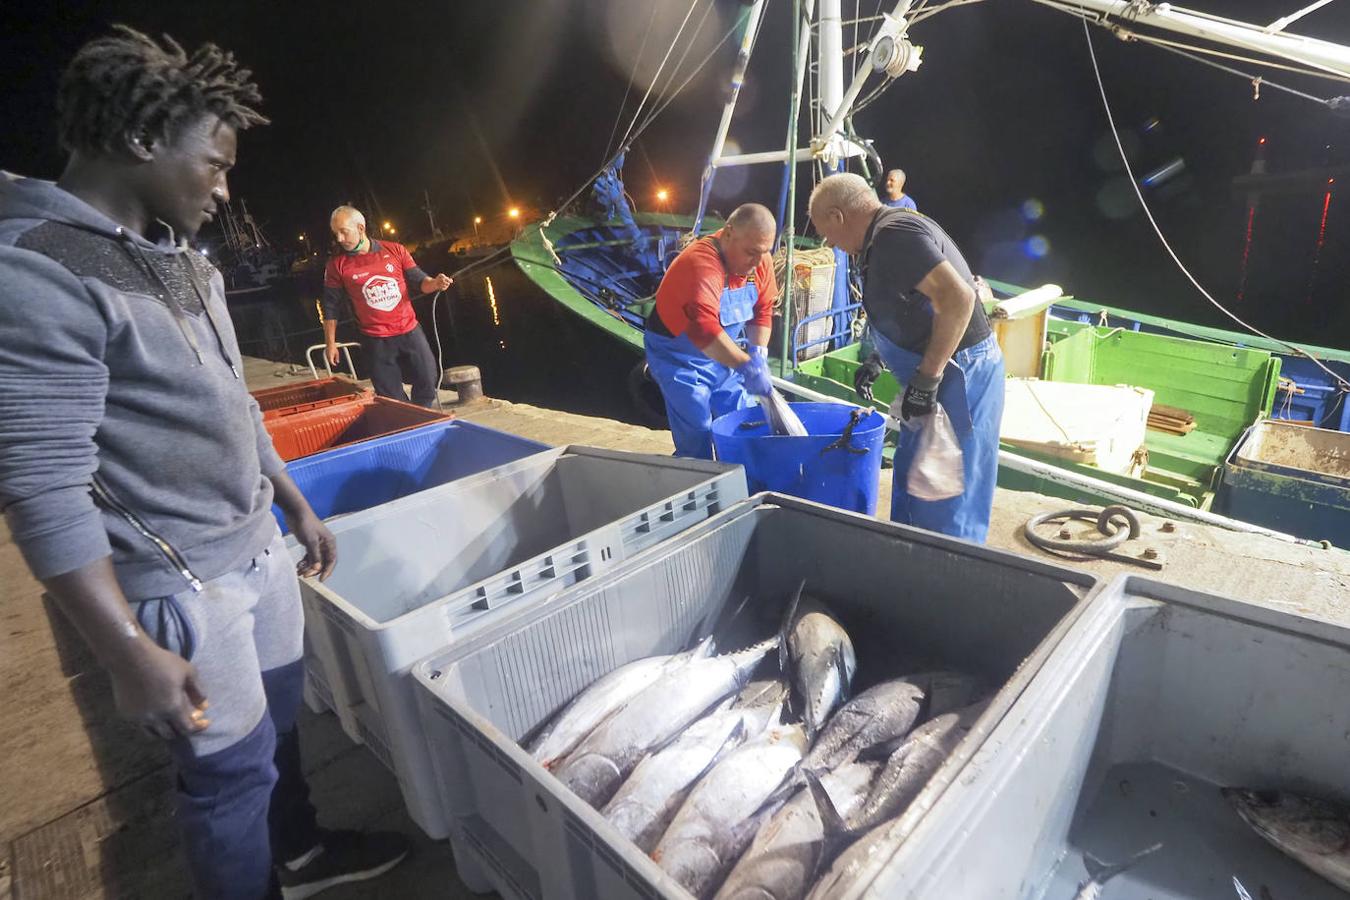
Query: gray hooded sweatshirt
point(125, 425)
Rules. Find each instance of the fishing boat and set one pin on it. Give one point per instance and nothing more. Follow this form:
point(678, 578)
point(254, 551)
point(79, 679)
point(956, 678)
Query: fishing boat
point(1218, 383)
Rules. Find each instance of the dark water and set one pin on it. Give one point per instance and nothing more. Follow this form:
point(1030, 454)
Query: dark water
point(529, 348)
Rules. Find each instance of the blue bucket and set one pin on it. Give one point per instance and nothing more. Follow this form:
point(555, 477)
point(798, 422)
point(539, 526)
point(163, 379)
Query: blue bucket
point(821, 466)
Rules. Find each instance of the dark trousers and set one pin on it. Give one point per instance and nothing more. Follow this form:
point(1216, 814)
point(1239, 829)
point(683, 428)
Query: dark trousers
point(387, 356)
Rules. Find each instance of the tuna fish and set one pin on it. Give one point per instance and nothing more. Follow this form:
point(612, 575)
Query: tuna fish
point(1099, 873)
point(912, 765)
point(780, 416)
point(817, 652)
point(886, 713)
point(771, 692)
point(1314, 831)
point(644, 806)
point(723, 812)
point(853, 865)
point(600, 763)
point(601, 700)
point(788, 850)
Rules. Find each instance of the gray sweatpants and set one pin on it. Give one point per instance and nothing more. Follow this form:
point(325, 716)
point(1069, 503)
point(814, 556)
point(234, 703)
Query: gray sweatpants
point(242, 798)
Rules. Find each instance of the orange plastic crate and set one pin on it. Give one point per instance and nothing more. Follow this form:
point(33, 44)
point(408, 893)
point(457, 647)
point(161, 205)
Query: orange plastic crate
point(289, 399)
point(305, 433)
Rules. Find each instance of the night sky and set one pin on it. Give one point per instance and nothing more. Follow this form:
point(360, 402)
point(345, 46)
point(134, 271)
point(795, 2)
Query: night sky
point(488, 104)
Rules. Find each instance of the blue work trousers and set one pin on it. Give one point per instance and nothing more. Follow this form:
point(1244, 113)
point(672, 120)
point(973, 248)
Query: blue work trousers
point(971, 393)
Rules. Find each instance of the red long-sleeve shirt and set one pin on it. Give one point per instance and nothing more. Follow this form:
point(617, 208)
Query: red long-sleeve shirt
point(688, 300)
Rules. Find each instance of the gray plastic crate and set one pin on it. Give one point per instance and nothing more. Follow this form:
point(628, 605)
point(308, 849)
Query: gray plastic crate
point(910, 598)
point(317, 694)
point(318, 698)
point(1158, 698)
point(420, 573)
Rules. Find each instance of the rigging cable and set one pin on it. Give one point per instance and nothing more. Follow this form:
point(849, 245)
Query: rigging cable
point(1129, 171)
point(632, 76)
point(656, 76)
point(689, 45)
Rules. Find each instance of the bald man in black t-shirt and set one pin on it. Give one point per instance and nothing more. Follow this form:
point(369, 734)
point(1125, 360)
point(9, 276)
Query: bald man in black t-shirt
point(929, 326)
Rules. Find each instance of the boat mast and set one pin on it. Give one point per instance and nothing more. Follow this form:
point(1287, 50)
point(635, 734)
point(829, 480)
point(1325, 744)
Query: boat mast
point(830, 71)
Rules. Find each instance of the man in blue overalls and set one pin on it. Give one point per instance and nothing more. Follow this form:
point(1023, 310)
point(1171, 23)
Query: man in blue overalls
point(716, 296)
point(932, 333)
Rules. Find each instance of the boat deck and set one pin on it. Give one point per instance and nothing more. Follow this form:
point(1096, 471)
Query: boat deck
point(87, 804)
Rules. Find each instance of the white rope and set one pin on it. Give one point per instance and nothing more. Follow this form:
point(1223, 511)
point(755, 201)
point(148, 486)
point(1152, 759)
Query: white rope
point(1129, 171)
point(440, 353)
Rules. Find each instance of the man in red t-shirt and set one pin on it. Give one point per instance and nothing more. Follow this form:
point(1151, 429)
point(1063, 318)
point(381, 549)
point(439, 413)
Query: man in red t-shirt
point(375, 276)
point(717, 294)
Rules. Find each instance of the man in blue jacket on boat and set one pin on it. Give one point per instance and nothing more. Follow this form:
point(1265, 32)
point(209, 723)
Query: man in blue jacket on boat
point(931, 331)
point(136, 475)
point(716, 296)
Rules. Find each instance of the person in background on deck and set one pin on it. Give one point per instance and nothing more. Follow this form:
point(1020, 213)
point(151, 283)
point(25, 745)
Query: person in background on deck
point(135, 473)
point(716, 295)
point(895, 191)
point(931, 330)
point(375, 276)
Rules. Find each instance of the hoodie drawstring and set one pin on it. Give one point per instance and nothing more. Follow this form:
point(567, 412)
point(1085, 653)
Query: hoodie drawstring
point(138, 255)
point(179, 316)
point(206, 307)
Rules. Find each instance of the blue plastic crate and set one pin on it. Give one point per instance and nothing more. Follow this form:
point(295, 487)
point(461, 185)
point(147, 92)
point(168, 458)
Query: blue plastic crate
point(350, 479)
point(1322, 402)
point(1292, 478)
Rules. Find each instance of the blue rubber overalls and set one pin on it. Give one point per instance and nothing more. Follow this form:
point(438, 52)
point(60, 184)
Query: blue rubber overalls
point(698, 389)
point(971, 394)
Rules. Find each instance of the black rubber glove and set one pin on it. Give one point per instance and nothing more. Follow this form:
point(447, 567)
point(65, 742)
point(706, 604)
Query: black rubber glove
point(866, 376)
point(920, 396)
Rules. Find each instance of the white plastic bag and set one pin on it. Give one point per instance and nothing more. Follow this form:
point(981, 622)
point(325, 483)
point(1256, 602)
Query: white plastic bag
point(938, 469)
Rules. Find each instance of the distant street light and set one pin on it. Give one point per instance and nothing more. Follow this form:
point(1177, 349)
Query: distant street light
point(302, 238)
point(477, 220)
point(514, 212)
point(389, 227)
point(662, 195)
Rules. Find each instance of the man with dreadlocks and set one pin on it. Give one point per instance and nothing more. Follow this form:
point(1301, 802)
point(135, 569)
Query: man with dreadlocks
point(135, 473)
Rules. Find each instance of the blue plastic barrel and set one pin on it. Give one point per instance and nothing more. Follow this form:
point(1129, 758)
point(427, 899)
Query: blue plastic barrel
point(823, 466)
point(360, 476)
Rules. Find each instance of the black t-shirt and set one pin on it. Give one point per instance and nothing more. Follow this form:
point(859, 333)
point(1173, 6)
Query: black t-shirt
point(900, 249)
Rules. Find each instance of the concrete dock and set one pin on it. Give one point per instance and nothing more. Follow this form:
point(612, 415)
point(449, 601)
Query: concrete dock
point(87, 809)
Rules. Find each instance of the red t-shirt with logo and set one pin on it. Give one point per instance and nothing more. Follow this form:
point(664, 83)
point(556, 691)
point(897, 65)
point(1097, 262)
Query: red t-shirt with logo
point(376, 284)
